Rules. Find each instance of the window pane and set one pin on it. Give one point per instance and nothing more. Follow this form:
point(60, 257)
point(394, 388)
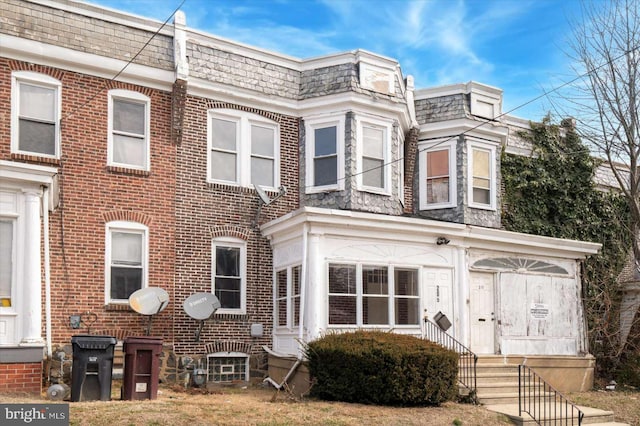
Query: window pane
point(37, 102)
point(374, 280)
point(228, 292)
point(325, 171)
point(407, 311)
point(438, 163)
point(129, 150)
point(223, 166)
point(481, 196)
point(223, 134)
point(126, 248)
point(262, 140)
point(128, 117)
point(125, 281)
point(342, 310)
point(373, 172)
point(262, 171)
point(6, 260)
point(296, 295)
point(325, 141)
point(37, 137)
point(373, 140)
point(375, 310)
point(406, 282)
point(481, 163)
point(281, 284)
point(227, 369)
point(342, 279)
point(228, 261)
point(438, 190)
point(281, 317)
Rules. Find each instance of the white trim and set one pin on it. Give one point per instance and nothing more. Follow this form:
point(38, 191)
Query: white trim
point(424, 147)
point(401, 169)
point(386, 126)
point(243, 122)
point(134, 228)
point(323, 122)
point(40, 80)
point(242, 245)
point(481, 146)
point(131, 96)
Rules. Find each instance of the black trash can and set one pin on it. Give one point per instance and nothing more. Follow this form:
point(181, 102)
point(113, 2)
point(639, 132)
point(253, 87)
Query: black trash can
point(92, 367)
point(141, 367)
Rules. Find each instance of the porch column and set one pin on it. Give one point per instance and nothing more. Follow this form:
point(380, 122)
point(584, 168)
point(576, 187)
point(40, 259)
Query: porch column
point(31, 283)
point(316, 297)
point(464, 294)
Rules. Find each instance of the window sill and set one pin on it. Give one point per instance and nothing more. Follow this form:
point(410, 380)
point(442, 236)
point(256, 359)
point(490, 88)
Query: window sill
point(36, 158)
point(127, 171)
point(118, 307)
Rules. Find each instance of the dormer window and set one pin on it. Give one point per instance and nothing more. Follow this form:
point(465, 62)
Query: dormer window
point(324, 154)
point(373, 140)
point(482, 175)
point(437, 174)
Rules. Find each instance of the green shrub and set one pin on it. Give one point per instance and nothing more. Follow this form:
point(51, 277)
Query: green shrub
point(381, 368)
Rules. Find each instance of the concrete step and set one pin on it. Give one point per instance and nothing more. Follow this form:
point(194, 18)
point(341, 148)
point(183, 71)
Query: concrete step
point(496, 387)
point(504, 398)
point(496, 377)
point(592, 416)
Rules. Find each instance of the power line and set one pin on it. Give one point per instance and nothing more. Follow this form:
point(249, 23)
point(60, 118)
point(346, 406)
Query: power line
point(108, 82)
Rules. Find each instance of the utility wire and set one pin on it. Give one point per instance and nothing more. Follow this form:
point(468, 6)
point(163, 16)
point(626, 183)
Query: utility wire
point(108, 82)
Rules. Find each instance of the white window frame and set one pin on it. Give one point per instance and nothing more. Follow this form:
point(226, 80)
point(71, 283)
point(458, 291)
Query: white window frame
point(359, 296)
point(134, 97)
point(337, 121)
point(243, 121)
point(229, 355)
point(35, 79)
point(289, 298)
point(13, 290)
point(386, 128)
point(484, 146)
point(242, 245)
point(134, 228)
point(437, 145)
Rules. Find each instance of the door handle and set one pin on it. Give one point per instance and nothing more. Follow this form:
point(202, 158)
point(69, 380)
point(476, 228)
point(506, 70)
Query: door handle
point(481, 319)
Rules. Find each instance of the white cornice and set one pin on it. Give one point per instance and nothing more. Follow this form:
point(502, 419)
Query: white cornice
point(459, 88)
point(24, 172)
point(414, 230)
point(86, 63)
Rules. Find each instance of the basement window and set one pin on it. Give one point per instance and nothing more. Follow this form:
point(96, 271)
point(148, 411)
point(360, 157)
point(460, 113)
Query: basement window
point(228, 367)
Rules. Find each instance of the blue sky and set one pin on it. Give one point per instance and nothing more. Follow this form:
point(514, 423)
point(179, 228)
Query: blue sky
point(517, 45)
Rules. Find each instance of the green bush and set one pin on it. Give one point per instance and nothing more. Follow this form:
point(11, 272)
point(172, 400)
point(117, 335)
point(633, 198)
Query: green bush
point(373, 367)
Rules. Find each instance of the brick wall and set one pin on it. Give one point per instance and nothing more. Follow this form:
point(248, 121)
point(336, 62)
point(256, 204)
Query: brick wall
point(21, 377)
point(92, 194)
point(205, 211)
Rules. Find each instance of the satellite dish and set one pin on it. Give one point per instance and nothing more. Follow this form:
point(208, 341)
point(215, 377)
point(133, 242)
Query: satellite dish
point(263, 195)
point(149, 301)
point(200, 306)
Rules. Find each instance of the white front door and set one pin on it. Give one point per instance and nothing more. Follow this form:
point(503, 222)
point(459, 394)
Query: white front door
point(482, 307)
point(437, 286)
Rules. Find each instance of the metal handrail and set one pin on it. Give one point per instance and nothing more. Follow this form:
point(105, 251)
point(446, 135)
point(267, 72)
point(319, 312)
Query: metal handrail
point(544, 403)
point(468, 360)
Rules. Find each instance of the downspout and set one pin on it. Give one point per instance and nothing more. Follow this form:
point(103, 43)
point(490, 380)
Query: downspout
point(47, 268)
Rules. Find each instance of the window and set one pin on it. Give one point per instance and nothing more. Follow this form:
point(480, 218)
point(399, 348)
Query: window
point(229, 257)
point(288, 297)
point(243, 149)
point(126, 259)
point(7, 251)
point(128, 139)
point(374, 146)
point(324, 154)
point(482, 192)
point(371, 295)
point(228, 367)
point(437, 174)
point(35, 114)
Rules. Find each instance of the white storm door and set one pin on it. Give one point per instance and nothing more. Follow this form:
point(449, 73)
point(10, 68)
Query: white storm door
point(437, 296)
point(482, 315)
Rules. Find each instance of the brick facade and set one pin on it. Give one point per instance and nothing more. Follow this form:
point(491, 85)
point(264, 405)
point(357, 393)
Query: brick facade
point(21, 377)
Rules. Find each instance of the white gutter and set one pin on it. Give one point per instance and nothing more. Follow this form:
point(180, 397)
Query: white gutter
point(47, 268)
